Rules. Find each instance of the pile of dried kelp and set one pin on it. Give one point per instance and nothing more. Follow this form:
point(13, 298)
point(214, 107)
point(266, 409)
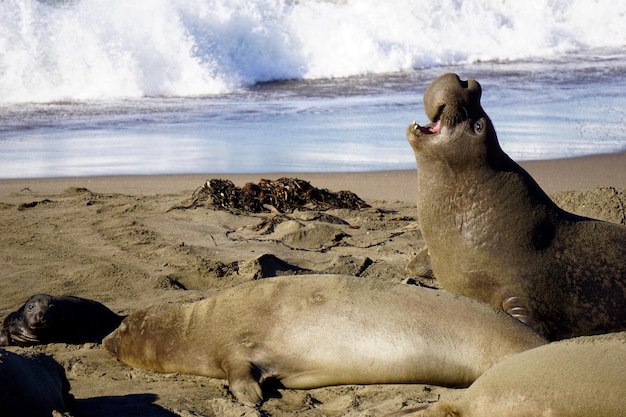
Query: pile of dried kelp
point(283, 195)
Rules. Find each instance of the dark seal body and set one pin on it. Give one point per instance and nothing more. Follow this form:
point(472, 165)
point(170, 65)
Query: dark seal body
point(32, 386)
point(494, 235)
point(67, 319)
point(321, 330)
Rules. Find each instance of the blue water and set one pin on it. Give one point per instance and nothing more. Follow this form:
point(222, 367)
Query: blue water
point(273, 86)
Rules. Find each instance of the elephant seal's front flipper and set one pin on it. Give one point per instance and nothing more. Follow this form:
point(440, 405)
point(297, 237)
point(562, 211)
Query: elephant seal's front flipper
point(243, 384)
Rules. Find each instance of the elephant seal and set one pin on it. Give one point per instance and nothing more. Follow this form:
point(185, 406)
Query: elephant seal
point(32, 386)
point(67, 319)
point(321, 330)
point(493, 234)
point(584, 376)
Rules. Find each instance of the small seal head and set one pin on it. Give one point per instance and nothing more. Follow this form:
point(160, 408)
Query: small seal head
point(46, 319)
point(28, 325)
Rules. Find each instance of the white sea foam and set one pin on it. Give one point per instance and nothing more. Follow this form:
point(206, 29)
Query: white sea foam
point(92, 49)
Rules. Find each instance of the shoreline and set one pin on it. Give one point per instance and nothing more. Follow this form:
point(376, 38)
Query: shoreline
point(552, 175)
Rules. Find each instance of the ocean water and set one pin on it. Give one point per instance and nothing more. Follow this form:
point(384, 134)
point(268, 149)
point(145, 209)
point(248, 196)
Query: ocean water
point(112, 87)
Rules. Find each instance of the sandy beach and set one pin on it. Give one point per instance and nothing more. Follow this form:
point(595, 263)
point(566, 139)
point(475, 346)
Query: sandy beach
point(117, 240)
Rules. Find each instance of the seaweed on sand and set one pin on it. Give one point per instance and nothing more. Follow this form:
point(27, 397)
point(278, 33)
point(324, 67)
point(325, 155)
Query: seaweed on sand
point(283, 195)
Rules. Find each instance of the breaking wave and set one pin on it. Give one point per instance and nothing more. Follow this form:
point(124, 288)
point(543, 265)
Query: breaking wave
point(100, 49)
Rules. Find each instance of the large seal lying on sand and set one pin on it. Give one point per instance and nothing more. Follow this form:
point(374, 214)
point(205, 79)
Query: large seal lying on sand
point(48, 319)
point(494, 235)
point(584, 376)
point(321, 330)
point(32, 386)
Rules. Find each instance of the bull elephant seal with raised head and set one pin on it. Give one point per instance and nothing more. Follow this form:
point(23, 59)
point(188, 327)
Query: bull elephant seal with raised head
point(494, 235)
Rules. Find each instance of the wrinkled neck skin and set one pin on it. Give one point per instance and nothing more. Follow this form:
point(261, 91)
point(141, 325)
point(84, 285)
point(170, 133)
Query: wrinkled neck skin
point(472, 206)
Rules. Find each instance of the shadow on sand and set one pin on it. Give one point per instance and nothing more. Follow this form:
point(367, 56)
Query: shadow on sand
point(133, 405)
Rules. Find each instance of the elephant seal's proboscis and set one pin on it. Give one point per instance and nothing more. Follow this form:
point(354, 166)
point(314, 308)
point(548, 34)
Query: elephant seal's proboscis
point(322, 330)
point(494, 235)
